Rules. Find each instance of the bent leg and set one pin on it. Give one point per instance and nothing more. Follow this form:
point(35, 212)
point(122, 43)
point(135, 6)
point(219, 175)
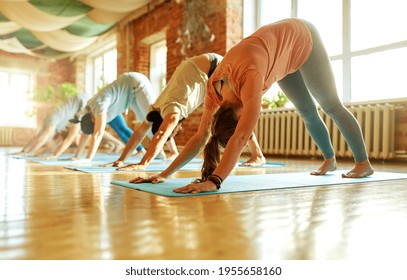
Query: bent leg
point(257, 158)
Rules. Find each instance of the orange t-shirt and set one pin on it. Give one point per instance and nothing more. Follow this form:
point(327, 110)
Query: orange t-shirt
point(266, 56)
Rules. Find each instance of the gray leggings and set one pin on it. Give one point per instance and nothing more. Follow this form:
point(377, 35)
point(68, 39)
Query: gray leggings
point(315, 79)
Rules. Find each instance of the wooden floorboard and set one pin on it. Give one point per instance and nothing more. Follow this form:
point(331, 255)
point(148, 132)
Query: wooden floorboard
point(48, 212)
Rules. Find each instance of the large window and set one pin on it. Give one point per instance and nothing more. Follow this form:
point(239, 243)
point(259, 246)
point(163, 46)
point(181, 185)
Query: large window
point(158, 65)
point(105, 69)
point(101, 68)
point(365, 39)
point(15, 96)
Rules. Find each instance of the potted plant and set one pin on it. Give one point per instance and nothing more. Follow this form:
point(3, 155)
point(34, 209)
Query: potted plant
point(278, 100)
point(50, 97)
point(55, 95)
point(267, 103)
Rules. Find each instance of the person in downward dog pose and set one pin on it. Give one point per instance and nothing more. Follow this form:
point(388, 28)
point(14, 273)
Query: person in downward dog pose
point(131, 90)
point(57, 129)
point(184, 93)
point(291, 53)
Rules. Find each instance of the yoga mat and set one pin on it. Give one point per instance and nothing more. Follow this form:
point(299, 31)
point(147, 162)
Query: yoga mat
point(98, 159)
point(192, 165)
point(30, 157)
point(41, 158)
point(246, 183)
point(67, 160)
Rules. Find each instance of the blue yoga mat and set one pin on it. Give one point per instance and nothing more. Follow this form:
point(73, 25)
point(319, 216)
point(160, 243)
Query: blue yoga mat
point(246, 183)
point(192, 165)
point(65, 159)
point(98, 159)
point(29, 157)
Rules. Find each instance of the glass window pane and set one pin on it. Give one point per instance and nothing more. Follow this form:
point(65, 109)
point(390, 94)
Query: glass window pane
point(386, 69)
point(19, 86)
point(327, 17)
point(375, 23)
point(110, 66)
point(158, 65)
point(14, 102)
point(3, 83)
point(104, 69)
point(98, 82)
point(274, 10)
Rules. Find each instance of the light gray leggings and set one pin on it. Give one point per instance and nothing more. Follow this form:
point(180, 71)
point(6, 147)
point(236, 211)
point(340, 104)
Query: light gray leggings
point(315, 79)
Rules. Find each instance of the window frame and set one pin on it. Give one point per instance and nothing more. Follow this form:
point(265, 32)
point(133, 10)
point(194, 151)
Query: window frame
point(157, 86)
point(252, 8)
point(91, 85)
point(27, 121)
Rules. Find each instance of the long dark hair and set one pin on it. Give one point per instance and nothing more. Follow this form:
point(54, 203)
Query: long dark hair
point(223, 126)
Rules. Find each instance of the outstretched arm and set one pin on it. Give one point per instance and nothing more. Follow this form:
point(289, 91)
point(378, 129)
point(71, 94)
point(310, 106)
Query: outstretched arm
point(165, 130)
point(231, 154)
point(30, 143)
point(159, 139)
point(172, 148)
point(81, 146)
point(72, 132)
point(135, 139)
point(50, 146)
point(191, 149)
point(97, 135)
point(42, 138)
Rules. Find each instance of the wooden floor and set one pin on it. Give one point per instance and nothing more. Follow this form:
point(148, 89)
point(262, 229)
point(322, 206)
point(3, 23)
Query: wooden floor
point(48, 212)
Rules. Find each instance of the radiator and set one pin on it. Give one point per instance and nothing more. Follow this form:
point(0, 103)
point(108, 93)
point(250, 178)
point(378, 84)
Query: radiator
point(282, 132)
point(6, 136)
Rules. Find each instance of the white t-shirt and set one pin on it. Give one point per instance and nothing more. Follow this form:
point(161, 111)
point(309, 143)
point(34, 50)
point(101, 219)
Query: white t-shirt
point(131, 90)
point(61, 115)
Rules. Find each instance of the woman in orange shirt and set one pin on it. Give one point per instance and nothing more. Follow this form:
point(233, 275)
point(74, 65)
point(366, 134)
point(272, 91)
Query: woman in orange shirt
point(291, 53)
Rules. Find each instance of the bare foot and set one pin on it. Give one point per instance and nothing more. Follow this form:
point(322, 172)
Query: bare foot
point(255, 161)
point(328, 165)
point(361, 170)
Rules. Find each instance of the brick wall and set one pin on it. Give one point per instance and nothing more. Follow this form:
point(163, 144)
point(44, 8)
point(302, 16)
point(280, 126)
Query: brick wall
point(47, 72)
point(61, 71)
point(169, 21)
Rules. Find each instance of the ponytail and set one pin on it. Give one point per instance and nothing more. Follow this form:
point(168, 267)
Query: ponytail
point(223, 126)
point(211, 155)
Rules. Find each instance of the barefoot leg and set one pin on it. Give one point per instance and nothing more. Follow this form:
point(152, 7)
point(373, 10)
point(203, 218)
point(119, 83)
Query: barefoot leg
point(257, 158)
point(360, 170)
point(328, 165)
point(255, 161)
